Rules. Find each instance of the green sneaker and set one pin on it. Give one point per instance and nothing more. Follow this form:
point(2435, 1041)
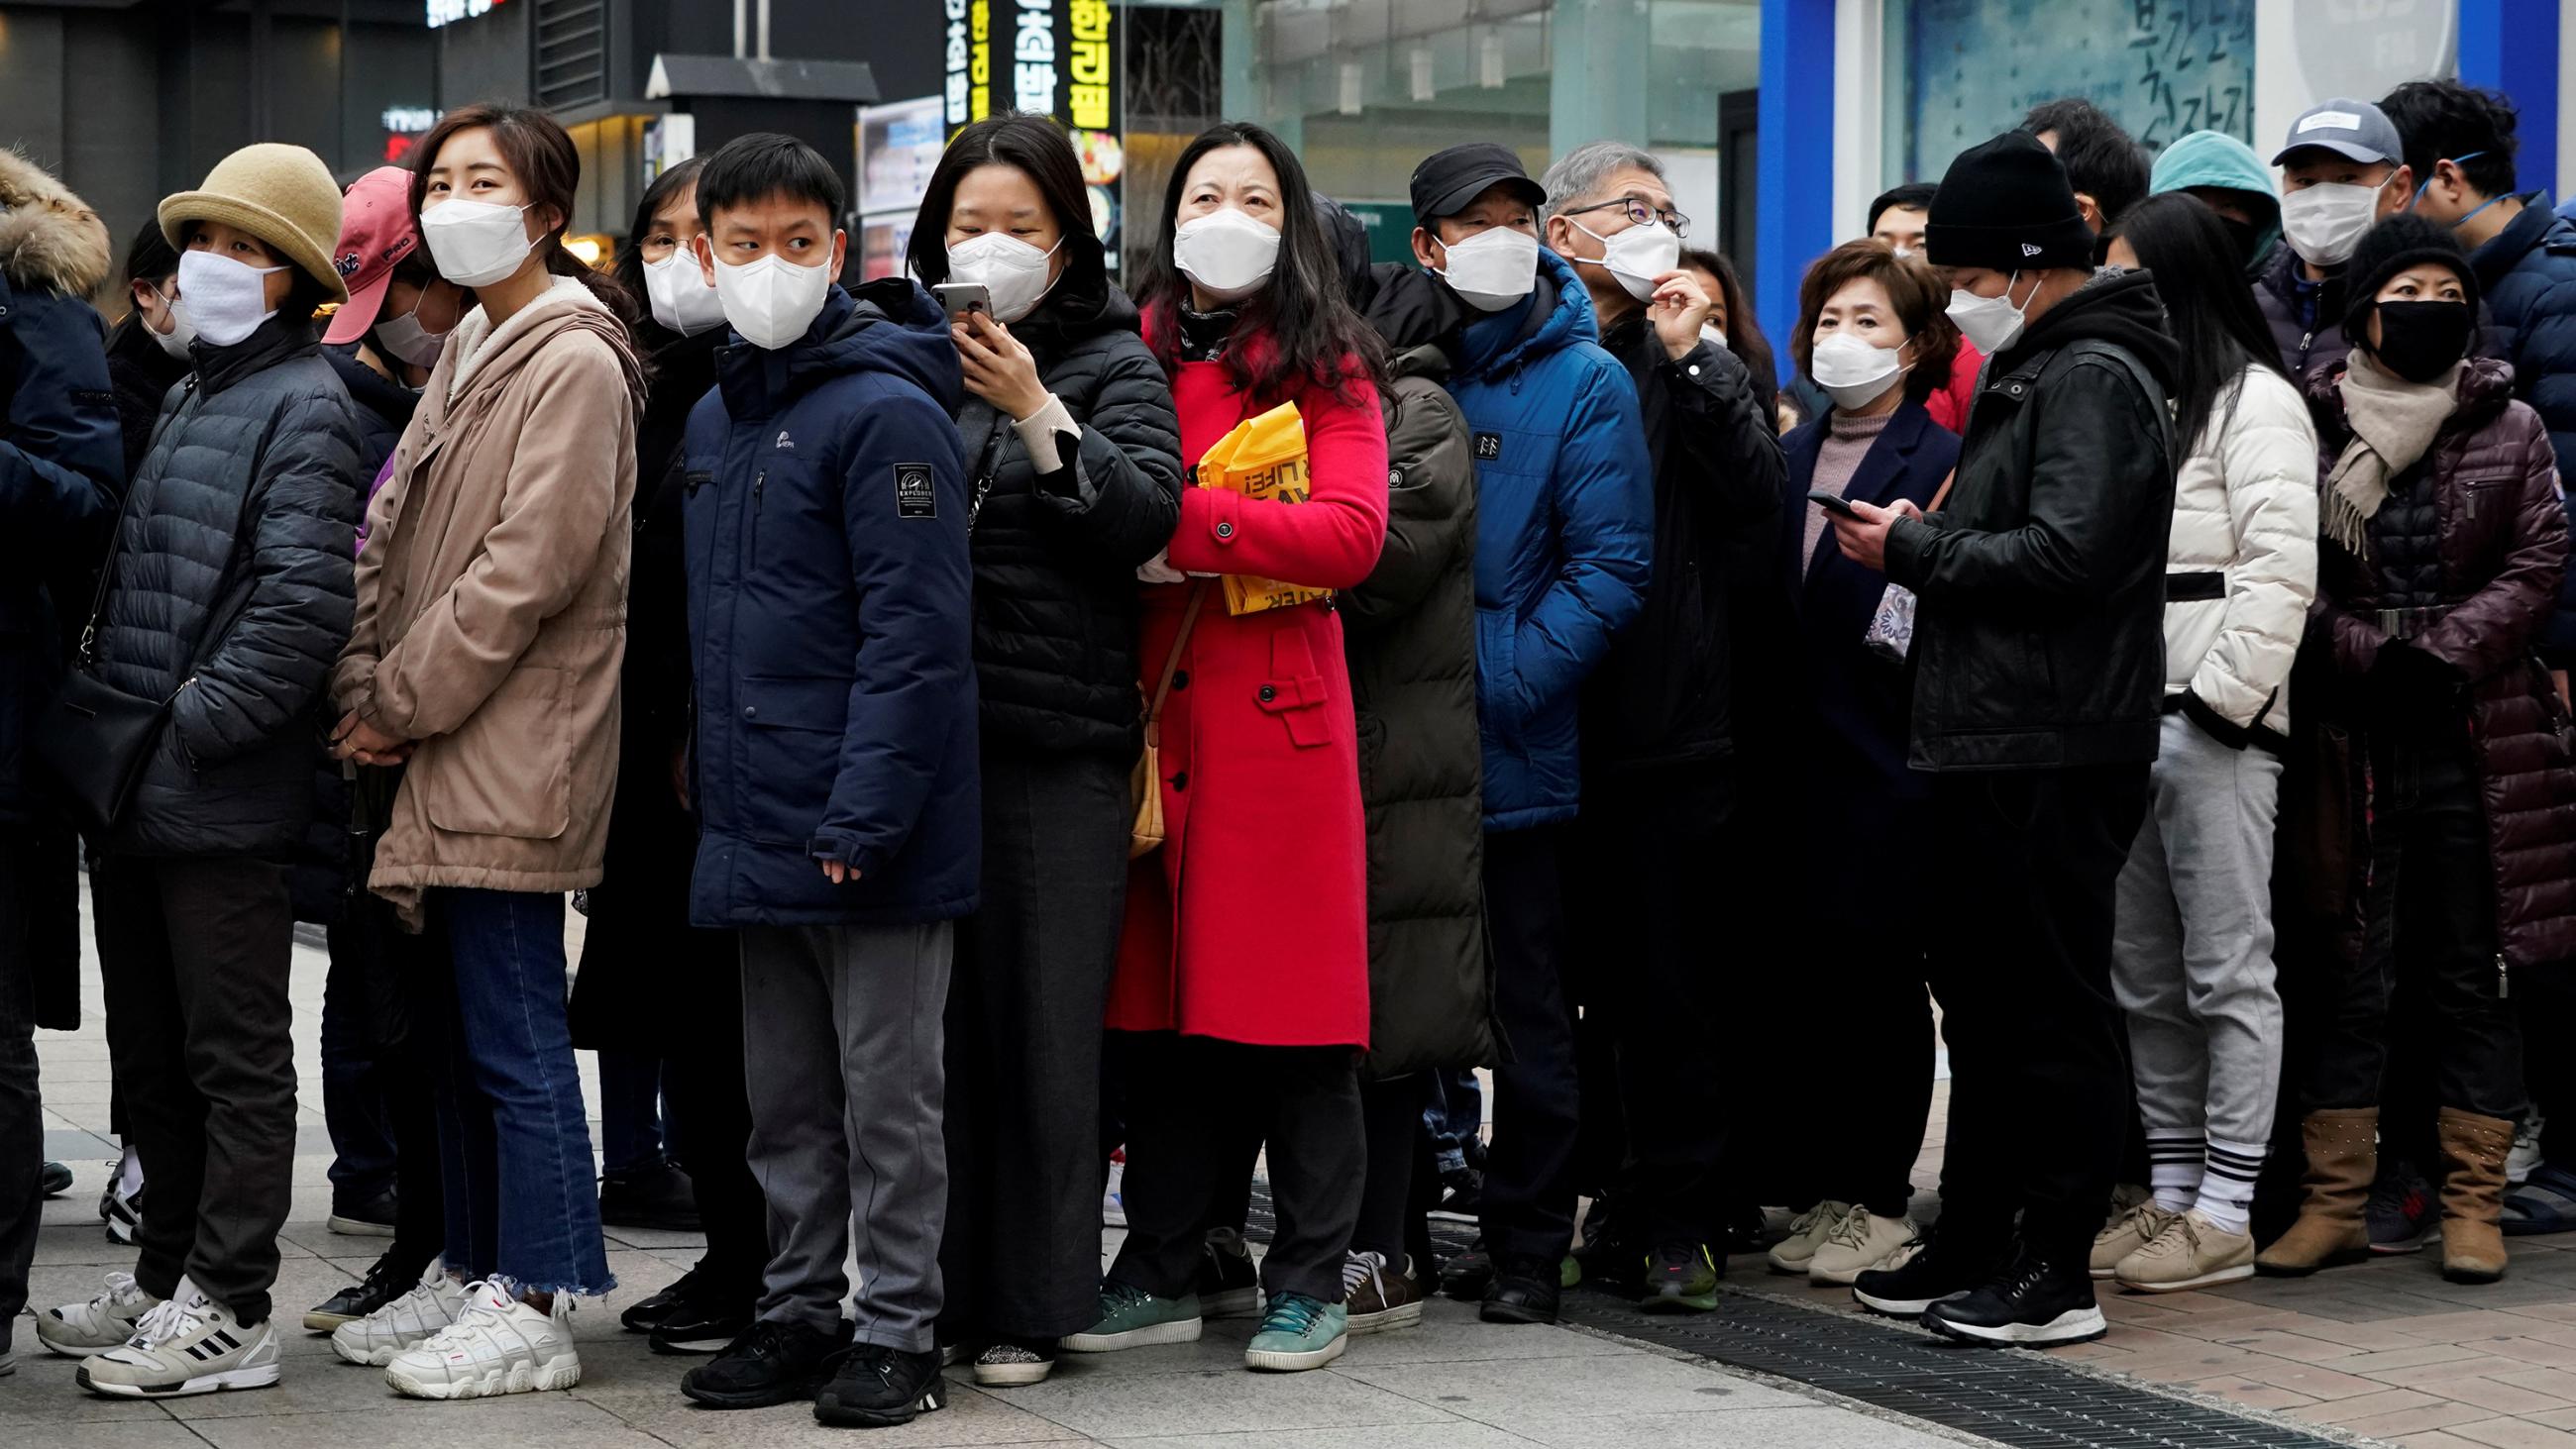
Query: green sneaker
point(1680, 1278)
point(1130, 1317)
point(1569, 1274)
point(1298, 1332)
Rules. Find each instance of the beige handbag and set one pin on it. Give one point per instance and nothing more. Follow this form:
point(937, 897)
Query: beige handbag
point(1146, 784)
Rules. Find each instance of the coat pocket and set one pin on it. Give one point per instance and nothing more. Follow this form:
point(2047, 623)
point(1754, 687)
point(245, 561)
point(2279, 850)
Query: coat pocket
point(1296, 691)
point(508, 770)
point(792, 732)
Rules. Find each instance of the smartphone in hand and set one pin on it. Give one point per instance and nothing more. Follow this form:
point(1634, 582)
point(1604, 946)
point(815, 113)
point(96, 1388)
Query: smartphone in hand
point(961, 298)
point(1832, 503)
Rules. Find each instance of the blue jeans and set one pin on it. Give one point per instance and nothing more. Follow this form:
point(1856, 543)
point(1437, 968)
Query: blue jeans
point(631, 1130)
point(1453, 1118)
point(522, 1202)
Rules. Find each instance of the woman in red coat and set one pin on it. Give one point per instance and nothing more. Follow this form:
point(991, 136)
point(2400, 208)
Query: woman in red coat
point(1244, 966)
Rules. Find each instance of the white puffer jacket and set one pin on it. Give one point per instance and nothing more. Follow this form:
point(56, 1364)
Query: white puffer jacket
point(2242, 567)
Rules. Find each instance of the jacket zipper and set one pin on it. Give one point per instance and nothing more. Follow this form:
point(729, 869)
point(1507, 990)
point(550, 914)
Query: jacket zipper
point(2504, 981)
point(751, 534)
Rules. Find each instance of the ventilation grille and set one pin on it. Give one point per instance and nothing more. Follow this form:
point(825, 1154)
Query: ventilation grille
point(572, 52)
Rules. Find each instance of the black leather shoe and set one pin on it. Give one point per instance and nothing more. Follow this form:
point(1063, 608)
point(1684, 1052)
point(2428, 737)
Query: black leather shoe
point(1524, 1290)
point(771, 1363)
point(1944, 1269)
point(874, 1388)
point(1467, 1275)
point(2030, 1305)
point(55, 1179)
point(370, 1217)
point(701, 1330)
point(656, 1195)
point(681, 1298)
point(384, 1283)
point(1229, 1286)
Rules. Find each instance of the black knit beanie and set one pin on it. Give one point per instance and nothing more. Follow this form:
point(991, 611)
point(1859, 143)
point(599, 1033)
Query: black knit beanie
point(2006, 206)
point(2403, 240)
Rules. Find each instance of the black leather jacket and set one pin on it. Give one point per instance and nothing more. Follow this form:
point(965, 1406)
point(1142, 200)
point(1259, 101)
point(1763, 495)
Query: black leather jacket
point(2039, 636)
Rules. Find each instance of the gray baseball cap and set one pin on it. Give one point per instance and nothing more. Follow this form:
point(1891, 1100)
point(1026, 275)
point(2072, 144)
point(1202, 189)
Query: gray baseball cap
point(2349, 128)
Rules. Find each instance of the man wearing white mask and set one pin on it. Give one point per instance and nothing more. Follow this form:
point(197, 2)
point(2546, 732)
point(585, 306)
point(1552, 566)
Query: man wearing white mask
point(833, 771)
point(2038, 658)
point(1658, 748)
point(2342, 169)
point(1564, 504)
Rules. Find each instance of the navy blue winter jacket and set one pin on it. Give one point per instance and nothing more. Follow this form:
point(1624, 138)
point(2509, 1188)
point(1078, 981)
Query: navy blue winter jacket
point(1565, 500)
point(2528, 273)
point(829, 624)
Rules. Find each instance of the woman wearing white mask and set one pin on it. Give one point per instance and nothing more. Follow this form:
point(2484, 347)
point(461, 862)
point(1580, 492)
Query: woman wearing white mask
point(1872, 332)
point(1243, 969)
point(491, 608)
point(147, 352)
point(226, 594)
point(1072, 454)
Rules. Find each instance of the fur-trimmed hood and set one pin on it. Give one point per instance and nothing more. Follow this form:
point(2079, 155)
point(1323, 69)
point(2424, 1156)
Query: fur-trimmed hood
point(49, 238)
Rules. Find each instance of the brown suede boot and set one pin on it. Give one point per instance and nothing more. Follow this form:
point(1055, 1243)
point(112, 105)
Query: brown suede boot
point(2343, 1151)
point(2473, 1195)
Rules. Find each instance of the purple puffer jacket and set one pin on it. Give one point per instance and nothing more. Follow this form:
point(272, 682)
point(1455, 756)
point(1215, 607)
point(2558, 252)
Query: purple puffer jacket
point(2502, 537)
point(382, 474)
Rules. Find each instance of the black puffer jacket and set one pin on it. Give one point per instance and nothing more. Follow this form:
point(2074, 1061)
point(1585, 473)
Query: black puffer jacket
point(240, 530)
point(2039, 637)
point(1661, 696)
point(384, 409)
point(141, 375)
point(1055, 557)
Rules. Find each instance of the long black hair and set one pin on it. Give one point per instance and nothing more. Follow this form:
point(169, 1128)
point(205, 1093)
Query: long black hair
point(2209, 304)
point(1743, 330)
point(629, 266)
point(150, 258)
point(1033, 146)
point(1304, 311)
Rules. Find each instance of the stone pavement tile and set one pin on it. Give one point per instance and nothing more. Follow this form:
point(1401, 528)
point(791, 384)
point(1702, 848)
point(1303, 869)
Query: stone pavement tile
point(2317, 1381)
point(2282, 1343)
point(2558, 1384)
point(2363, 1337)
point(2252, 1393)
point(551, 1419)
point(2183, 1365)
point(2513, 1434)
point(2475, 1323)
point(2366, 1406)
point(1814, 1427)
point(1451, 1333)
point(1505, 1393)
point(2495, 1394)
point(2438, 1439)
point(1457, 1435)
point(158, 1434)
point(41, 1398)
point(309, 1384)
point(2539, 1353)
point(2375, 1365)
point(2433, 1375)
point(2413, 1421)
point(971, 1418)
point(1236, 1400)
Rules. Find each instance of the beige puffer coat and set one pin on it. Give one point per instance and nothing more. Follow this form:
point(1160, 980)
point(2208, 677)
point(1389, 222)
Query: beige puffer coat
point(2242, 563)
point(492, 603)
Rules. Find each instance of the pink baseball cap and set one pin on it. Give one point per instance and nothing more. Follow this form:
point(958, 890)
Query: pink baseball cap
point(376, 230)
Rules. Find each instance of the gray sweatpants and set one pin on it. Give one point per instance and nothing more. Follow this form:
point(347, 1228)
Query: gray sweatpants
point(2192, 963)
point(842, 1044)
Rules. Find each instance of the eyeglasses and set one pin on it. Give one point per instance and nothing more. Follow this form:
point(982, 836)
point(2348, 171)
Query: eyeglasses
point(1639, 213)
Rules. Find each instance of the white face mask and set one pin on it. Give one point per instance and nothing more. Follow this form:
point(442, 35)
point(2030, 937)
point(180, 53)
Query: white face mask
point(222, 300)
point(1902, 253)
point(1990, 323)
point(1229, 254)
point(406, 339)
point(1013, 271)
point(681, 298)
point(772, 301)
point(181, 331)
point(1853, 372)
point(1637, 256)
point(1492, 270)
point(476, 243)
point(2325, 223)
point(1710, 334)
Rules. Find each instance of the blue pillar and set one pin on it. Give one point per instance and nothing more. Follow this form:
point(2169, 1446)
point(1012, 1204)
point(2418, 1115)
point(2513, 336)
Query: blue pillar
point(1794, 222)
point(2512, 46)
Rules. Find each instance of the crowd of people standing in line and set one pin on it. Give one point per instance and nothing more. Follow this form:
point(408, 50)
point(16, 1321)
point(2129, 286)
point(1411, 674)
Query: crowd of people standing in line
point(988, 833)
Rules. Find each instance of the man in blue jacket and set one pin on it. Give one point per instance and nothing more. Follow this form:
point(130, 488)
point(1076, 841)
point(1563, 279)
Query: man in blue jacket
point(1564, 507)
point(62, 468)
point(834, 771)
point(2459, 147)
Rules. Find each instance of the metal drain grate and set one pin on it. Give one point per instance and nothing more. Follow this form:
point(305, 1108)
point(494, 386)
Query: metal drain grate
point(2021, 1399)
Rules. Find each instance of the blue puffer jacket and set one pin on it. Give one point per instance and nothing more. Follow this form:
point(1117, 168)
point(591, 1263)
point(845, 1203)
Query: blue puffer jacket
point(1564, 522)
point(829, 624)
point(2528, 273)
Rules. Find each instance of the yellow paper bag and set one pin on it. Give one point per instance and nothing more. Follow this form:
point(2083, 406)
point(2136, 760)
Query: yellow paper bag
point(1263, 458)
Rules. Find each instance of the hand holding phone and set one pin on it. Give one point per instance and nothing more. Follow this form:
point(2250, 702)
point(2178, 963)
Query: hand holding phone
point(961, 298)
point(1832, 503)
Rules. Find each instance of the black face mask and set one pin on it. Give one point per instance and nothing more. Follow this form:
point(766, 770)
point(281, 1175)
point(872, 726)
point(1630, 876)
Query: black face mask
point(2419, 341)
point(2249, 240)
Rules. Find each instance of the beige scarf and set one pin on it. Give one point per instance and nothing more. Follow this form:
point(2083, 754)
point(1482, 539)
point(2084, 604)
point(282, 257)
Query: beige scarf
point(2393, 422)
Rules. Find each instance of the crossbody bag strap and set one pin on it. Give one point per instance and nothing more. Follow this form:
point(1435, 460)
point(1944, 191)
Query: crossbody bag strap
point(115, 554)
point(1172, 664)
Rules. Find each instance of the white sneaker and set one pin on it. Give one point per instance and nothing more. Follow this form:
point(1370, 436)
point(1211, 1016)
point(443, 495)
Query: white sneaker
point(1796, 1253)
point(77, 1330)
point(188, 1345)
point(1860, 1242)
point(498, 1345)
point(1113, 1199)
point(404, 1324)
point(2526, 1149)
point(120, 1203)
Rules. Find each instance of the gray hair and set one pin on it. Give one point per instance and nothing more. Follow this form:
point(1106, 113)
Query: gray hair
point(1579, 175)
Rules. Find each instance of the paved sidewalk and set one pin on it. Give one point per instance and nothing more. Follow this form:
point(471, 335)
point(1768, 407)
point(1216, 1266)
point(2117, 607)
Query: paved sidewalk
point(1454, 1383)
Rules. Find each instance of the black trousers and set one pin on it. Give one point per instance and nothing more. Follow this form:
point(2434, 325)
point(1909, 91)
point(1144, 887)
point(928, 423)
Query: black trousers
point(1640, 869)
point(1398, 1153)
point(22, 1116)
point(2431, 938)
point(394, 973)
point(704, 1091)
point(1021, 1254)
point(1188, 1101)
point(195, 953)
point(2024, 872)
point(1529, 1171)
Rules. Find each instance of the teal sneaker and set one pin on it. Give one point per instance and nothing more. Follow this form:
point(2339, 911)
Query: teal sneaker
point(1680, 1278)
point(1569, 1274)
point(1130, 1317)
point(1298, 1332)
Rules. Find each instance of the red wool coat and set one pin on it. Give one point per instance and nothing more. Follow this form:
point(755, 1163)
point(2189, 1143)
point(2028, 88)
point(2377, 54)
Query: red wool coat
point(1251, 923)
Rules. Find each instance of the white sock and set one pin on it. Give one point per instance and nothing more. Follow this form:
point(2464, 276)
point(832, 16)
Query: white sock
point(2174, 1159)
point(2227, 1191)
point(129, 1173)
